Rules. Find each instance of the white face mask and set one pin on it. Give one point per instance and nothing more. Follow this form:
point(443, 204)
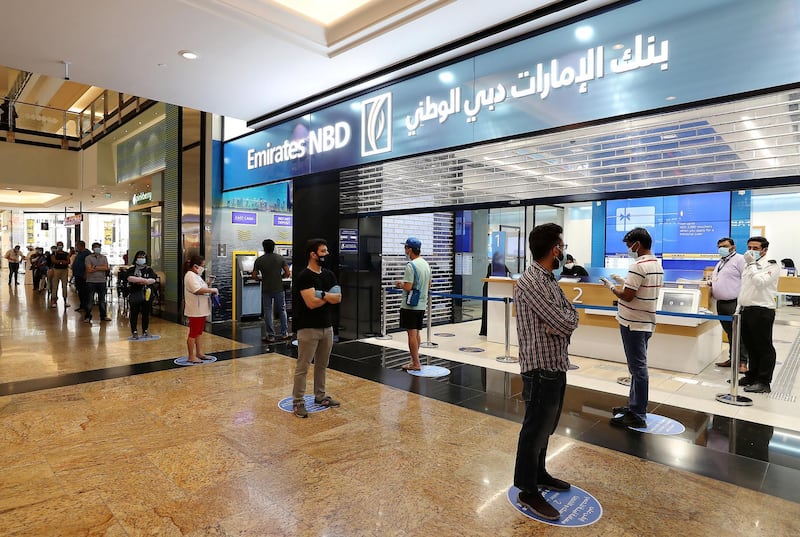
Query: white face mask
point(755, 255)
point(200, 270)
point(632, 254)
point(569, 266)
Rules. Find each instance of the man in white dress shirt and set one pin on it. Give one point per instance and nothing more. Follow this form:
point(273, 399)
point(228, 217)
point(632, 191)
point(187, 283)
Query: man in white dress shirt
point(757, 307)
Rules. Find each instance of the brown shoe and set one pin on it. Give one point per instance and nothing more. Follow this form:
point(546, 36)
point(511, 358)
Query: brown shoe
point(726, 363)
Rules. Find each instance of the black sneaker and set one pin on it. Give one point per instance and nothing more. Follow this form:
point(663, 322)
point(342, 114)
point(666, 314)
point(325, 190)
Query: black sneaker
point(629, 419)
point(549, 482)
point(745, 381)
point(534, 502)
point(758, 387)
point(135, 335)
point(327, 401)
point(300, 411)
point(620, 410)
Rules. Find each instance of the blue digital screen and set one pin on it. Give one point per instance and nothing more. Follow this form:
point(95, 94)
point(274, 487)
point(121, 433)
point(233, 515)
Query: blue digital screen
point(685, 229)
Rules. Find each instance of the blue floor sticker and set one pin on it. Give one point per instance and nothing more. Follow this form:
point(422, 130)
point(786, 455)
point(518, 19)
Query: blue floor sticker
point(151, 337)
point(471, 349)
point(444, 334)
point(576, 506)
point(184, 360)
point(430, 371)
point(661, 425)
point(311, 406)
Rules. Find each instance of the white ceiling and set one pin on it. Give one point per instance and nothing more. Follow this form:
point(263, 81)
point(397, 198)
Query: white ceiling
point(256, 56)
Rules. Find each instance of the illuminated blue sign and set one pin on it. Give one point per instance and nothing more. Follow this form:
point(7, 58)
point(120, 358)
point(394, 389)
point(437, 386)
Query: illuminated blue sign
point(639, 57)
point(282, 220)
point(249, 219)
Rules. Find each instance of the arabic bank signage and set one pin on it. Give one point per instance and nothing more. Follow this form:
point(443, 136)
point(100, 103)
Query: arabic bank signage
point(637, 58)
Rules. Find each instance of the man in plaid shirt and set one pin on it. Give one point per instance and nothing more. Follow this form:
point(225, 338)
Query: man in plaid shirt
point(545, 322)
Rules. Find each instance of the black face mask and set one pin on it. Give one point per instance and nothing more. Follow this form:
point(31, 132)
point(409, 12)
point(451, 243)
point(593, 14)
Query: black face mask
point(557, 261)
point(321, 259)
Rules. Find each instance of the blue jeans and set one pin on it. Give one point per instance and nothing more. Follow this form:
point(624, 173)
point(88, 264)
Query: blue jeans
point(543, 393)
point(267, 299)
point(635, 344)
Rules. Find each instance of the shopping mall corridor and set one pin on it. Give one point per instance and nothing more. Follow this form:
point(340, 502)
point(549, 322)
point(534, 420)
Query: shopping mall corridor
point(104, 436)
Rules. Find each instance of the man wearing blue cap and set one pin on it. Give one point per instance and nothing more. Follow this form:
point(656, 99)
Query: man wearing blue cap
point(415, 285)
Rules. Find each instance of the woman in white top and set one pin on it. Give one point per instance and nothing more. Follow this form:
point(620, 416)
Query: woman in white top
point(196, 304)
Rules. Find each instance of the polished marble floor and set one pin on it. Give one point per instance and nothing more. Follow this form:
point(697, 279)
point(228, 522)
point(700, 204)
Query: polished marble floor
point(104, 436)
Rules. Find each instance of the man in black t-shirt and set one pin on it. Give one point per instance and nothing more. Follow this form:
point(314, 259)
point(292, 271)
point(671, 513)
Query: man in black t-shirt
point(314, 291)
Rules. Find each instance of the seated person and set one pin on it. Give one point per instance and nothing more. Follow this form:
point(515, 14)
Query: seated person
point(571, 270)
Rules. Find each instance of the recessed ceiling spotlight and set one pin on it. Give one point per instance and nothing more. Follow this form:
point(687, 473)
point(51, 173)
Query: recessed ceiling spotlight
point(671, 98)
point(188, 55)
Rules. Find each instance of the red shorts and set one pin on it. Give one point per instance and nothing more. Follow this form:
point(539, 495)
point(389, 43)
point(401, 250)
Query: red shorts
point(196, 326)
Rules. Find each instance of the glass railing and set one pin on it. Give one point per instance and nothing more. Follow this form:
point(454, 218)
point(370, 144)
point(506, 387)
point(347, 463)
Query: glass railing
point(109, 109)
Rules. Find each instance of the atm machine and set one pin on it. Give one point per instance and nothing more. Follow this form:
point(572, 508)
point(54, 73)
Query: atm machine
point(248, 289)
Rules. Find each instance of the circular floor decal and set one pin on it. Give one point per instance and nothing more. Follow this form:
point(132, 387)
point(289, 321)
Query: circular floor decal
point(661, 425)
point(625, 381)
point(184, 360)
point(430, 371)
point(151, 337)
point(577, 507)
point(444, 334)
point(286, 404)
point(471, 349)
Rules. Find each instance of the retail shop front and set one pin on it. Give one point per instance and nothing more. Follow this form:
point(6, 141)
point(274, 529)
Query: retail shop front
point(638, 109)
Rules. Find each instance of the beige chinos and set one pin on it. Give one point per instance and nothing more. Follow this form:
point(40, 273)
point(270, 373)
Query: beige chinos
point(313, 343)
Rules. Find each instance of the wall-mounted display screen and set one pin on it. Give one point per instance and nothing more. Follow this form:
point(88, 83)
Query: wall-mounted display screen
point(685, 228)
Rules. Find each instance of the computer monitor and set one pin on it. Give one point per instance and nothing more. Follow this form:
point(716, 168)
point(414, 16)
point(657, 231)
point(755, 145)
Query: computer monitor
point(677, 300)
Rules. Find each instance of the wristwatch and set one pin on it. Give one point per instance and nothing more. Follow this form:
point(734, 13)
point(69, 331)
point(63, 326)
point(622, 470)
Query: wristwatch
point(323, 295)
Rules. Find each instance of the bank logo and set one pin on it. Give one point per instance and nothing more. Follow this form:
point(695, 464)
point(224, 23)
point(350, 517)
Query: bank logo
point(376, 125)
point(631, 217)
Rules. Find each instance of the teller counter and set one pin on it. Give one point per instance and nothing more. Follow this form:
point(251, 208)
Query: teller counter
point(682, 344)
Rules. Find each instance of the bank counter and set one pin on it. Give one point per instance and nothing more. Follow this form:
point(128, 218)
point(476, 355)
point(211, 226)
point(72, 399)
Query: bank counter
point(680, 344)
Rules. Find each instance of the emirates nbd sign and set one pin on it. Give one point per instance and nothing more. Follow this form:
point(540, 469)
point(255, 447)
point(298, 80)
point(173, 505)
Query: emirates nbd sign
point(637, 58)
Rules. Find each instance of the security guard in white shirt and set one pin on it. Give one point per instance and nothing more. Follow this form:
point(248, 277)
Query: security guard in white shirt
point(757, 307)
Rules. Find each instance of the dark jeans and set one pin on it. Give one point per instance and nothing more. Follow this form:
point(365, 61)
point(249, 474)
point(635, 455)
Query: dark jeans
point(277, 298)
point(757, 336)
point(728, 307)
point(13, 270)
point(83, 291)
point(543, 393)
point(100, 290)
point(635, 344)
point(143, 308)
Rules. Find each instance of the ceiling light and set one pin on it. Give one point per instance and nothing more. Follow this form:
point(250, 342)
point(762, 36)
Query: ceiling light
point(446, 77)
point(188, 55)
point(584, 33)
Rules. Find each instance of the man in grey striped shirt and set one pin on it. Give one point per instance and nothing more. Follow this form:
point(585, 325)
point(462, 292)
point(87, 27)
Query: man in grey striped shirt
point(545, 322)
point(636, 314)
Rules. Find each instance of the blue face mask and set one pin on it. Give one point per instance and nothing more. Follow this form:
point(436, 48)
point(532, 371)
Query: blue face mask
point(724, 251)
point(141, 261)
point(755, 255)
point(97, 250)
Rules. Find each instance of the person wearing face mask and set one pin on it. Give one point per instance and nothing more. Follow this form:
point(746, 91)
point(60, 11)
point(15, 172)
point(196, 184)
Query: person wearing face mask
point(13, 256)
point(417, 277)
point(49, 257)
point(545, 322)
point(35, 262)
point(636, 315)
point(196, 305)
point(60, 260)
point(757, 308)
point(314, 292)
point(96, 269)
point(140, 294)
point(571, 269)
point(79, 274)
point(725, 283)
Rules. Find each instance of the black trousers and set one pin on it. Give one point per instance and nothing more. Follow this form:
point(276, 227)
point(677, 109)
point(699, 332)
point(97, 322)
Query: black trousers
point(757, 336)
point(13, 270)
point(728, 307)
point(143, 308)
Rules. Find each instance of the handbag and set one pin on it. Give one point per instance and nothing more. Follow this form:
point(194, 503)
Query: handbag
point(215, 301)
point(412, 298)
